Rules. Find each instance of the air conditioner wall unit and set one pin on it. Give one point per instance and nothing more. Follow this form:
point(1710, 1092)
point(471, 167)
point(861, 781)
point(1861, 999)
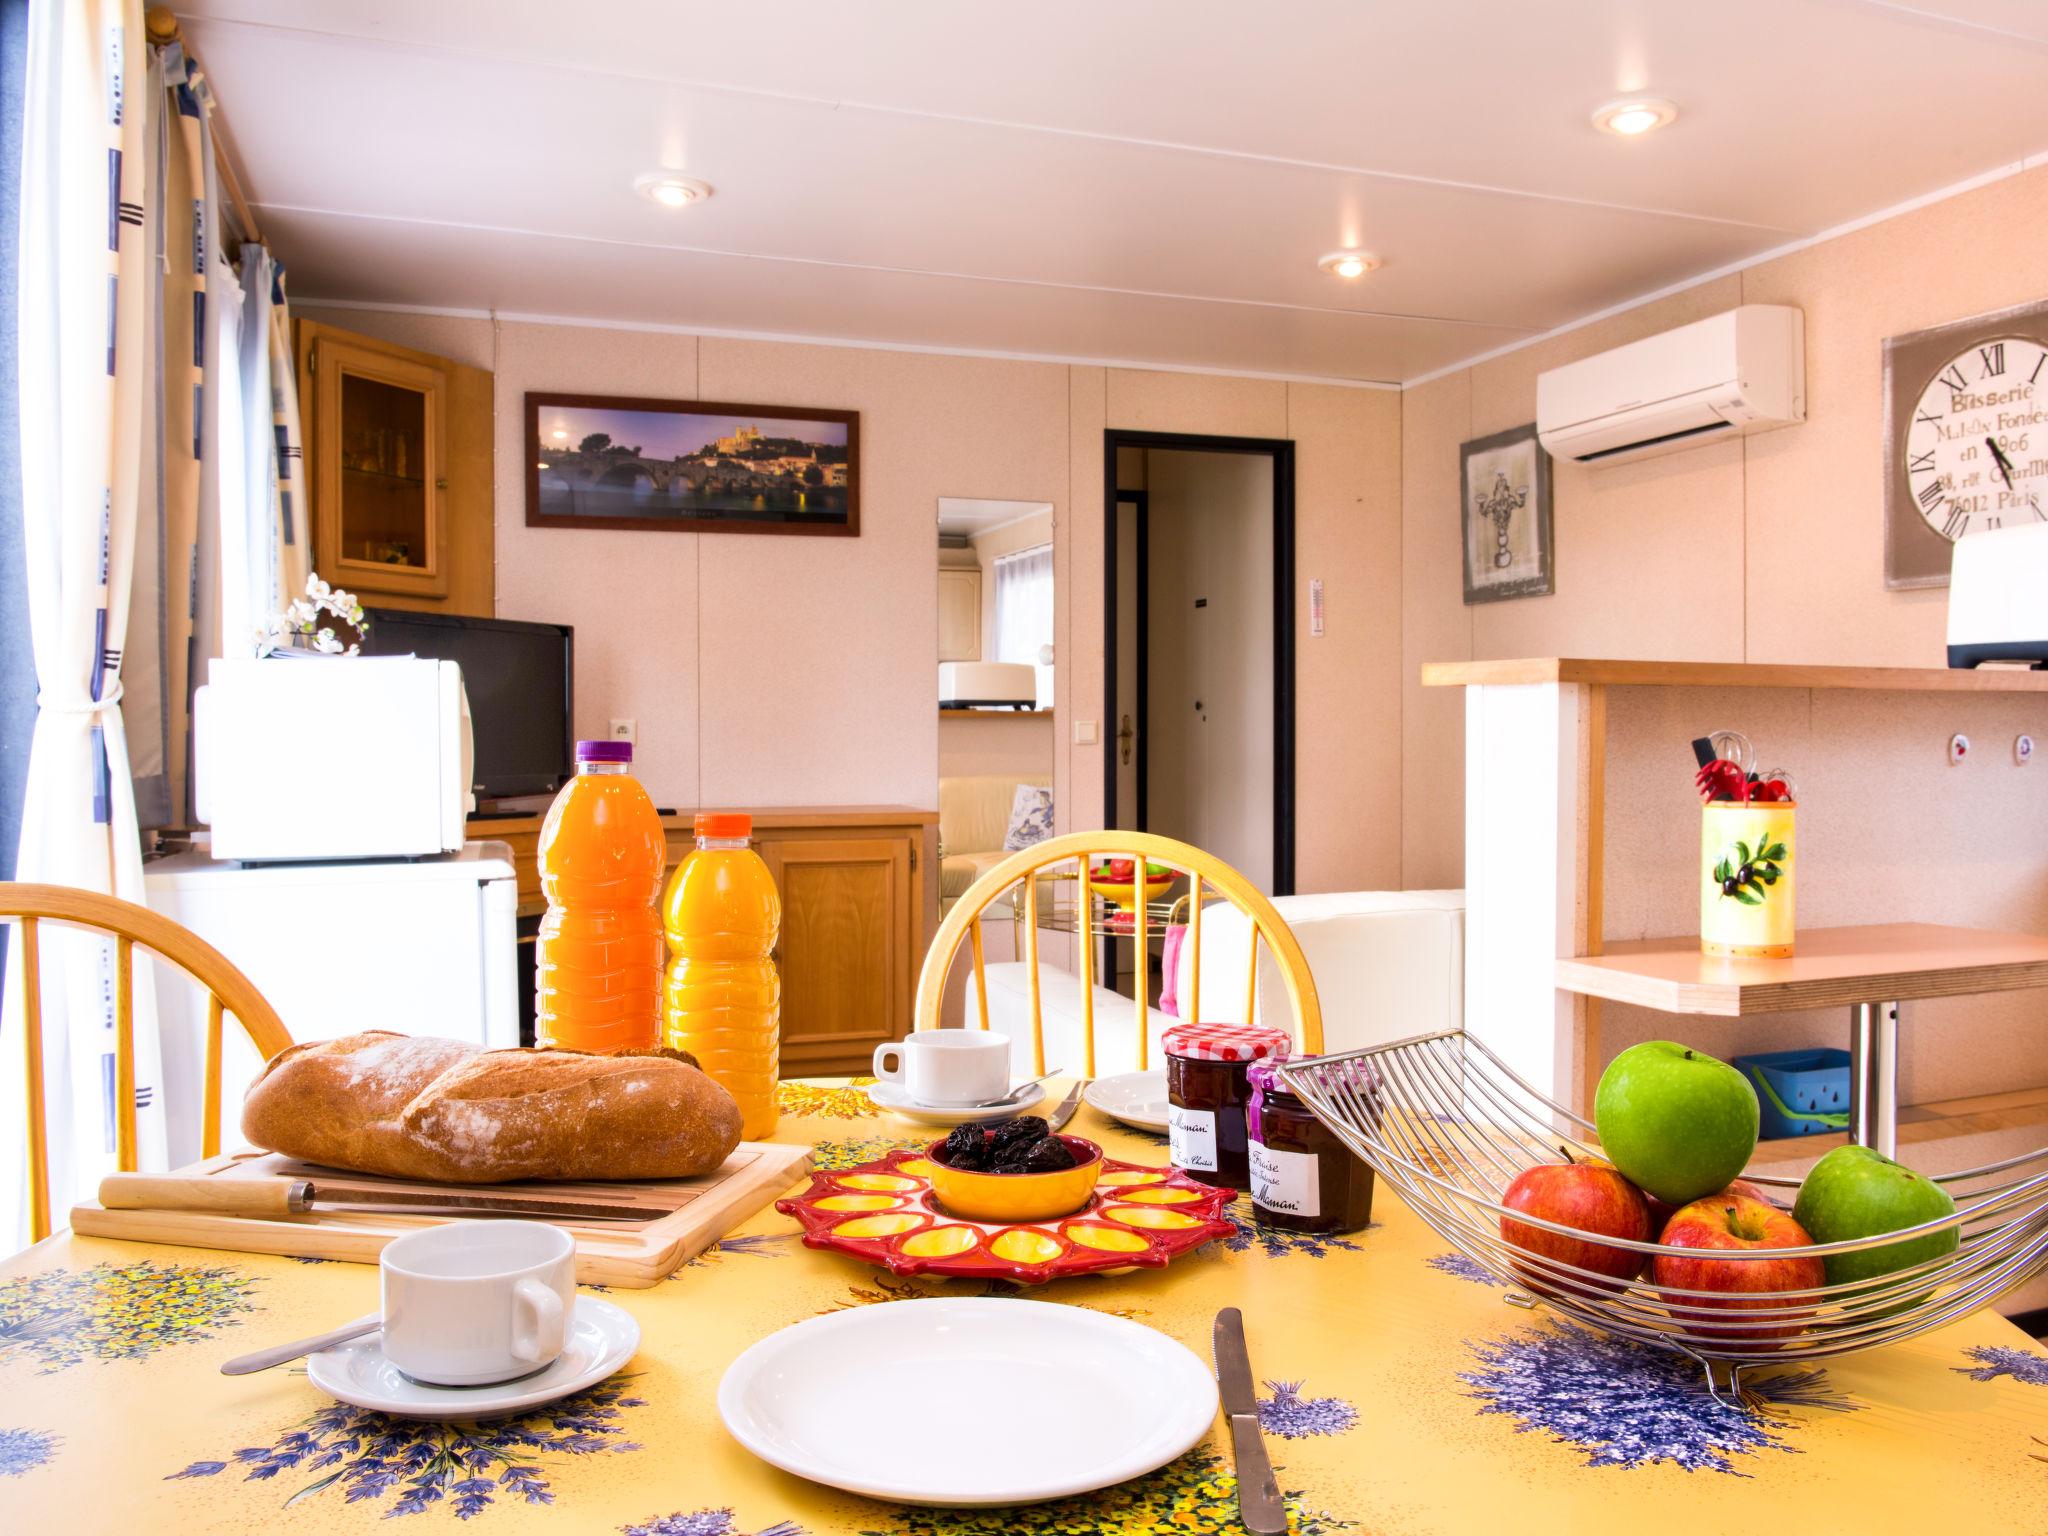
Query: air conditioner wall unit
point(1732, 374)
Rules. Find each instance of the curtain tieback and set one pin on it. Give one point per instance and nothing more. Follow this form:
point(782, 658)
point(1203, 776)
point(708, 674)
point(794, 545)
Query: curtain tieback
point(55, 705)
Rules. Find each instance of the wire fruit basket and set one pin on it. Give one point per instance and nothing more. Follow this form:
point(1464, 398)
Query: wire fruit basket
point(1450, 1125)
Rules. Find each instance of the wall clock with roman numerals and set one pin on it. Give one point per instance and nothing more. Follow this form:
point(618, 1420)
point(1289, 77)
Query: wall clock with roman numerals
point(1966, 437)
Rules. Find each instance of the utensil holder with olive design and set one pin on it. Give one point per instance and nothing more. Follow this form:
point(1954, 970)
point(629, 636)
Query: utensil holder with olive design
point(1746, 879)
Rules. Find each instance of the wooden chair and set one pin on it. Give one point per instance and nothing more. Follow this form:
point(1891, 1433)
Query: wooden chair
point(228, 992)
point(1084, 849)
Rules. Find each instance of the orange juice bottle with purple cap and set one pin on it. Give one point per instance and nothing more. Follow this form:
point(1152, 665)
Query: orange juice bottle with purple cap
point(724, 997)
point(597, 962)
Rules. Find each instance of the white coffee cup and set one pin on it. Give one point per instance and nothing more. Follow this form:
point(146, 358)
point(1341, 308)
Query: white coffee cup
point(947, 1068)
point(474, 1302)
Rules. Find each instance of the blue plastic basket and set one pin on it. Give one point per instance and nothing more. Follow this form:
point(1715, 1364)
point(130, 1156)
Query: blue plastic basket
point(1800, 1093)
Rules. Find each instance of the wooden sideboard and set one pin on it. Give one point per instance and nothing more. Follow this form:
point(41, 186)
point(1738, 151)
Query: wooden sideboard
point(859, 905)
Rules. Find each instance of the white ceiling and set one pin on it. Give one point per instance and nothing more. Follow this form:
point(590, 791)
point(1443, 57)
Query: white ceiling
point(1149, 181)
point(971, 515)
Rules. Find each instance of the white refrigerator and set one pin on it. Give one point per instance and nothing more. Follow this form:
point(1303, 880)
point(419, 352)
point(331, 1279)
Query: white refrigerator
point(421, 946)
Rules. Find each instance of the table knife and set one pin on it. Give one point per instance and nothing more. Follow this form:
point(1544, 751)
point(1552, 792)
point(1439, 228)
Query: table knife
point(299, 1197)
point(1065, 1112)
point(1258, 1496)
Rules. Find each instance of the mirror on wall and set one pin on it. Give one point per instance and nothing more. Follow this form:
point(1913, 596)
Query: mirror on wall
point(997, 679)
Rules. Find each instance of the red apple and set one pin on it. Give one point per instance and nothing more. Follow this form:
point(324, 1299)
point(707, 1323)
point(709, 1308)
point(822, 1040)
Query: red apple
point(1661, 1211)
point(1121, 871)
point(1590, 1197)
point(1733, 1222)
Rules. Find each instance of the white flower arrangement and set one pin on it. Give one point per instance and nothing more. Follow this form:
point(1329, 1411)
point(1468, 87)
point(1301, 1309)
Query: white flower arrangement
point(305, 626)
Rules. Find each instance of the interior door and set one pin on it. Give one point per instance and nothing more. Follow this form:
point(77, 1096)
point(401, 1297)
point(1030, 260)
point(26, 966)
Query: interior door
point(1128, 729)
point(843, 953)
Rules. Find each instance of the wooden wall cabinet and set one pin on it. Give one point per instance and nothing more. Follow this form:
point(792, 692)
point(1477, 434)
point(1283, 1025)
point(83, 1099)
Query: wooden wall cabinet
point(959, 614)
point(398, 455)
point(859, 905)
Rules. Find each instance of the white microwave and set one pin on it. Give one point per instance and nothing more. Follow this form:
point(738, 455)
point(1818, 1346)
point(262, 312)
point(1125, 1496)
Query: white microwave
point(357, 757)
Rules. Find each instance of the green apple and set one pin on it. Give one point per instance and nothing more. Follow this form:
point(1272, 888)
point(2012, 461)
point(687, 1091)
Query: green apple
point(1856, 1192)
point(1678, 1123)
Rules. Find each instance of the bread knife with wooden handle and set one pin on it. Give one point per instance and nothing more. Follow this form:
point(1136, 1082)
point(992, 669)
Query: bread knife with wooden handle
point(299, 1197)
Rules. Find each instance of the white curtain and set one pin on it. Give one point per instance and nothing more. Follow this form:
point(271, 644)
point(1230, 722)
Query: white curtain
point(85, 383)
point(1024, 612)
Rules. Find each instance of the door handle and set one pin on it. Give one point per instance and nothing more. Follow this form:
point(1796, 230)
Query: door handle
point(1125, 735)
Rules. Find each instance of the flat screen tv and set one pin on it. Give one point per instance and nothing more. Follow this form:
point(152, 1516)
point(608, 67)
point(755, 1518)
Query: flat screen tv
point(518, 678)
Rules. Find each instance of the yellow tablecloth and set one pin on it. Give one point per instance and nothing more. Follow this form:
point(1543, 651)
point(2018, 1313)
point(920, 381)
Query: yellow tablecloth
point(1403, 1396)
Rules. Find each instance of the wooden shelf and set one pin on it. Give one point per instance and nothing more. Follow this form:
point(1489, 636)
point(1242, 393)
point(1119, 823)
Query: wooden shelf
point(998, 713)
point(1834, 967)
point(1715, 674)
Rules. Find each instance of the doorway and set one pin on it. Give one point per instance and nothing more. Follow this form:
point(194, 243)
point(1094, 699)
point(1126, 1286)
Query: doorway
point(1199, 645)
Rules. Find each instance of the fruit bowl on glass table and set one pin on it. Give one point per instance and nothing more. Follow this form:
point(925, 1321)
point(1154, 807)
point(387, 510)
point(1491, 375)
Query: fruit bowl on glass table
point(1489, 1163)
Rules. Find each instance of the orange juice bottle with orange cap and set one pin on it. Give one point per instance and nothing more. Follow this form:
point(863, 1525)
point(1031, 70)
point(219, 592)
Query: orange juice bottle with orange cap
point(597, 962)
point(724, 999)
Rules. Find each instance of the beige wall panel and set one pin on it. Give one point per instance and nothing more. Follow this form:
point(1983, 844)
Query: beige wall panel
point(1435, 626)
point(464, 338)
point(1078, 568)
point(1195, 402)
point(1816, 491)
point(1347, 514)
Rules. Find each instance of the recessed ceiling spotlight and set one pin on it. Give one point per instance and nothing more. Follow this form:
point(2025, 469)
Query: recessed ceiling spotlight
point(1347, 264)
point(671, 190)
point(1634, 116)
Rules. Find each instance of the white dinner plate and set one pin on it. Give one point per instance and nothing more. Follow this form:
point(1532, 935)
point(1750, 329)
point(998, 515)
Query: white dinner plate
point(1136, 1098)
point(897, 1100)
point(871, 1400)
point(602, 1338)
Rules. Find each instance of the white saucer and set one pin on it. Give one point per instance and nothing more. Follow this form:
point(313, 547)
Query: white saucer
point(892, 1097)
point(851, 1400)
point(1136, 1098)
point(601, 1339)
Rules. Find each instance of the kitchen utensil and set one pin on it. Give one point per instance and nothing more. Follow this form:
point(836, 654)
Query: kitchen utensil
point(601, 1340)
point(280, 1354)
point(885, 1213)
point(1008, 1197)
point(296, 1197)
point(847, 1399)
point(686, 1215)
point(1059, 1117)
point(1450, 1125)
point(1259, 1503)
point(1136, 1098)
point(466, 1306)
point(1008, 1100)
point(894, 1098)
point(947, 1068)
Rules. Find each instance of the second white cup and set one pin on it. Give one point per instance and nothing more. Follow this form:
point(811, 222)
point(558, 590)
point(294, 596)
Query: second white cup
point(475, 1302)
point(947, 1068)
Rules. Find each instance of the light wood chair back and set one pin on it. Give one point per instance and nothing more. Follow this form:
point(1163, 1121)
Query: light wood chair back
point(228, 991)
point(1028, 869)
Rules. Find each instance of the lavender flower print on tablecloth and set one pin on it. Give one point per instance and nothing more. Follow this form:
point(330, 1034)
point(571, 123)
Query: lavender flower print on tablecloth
point(1627, 1405)
point(1293, 1417)
point(418, 1463)
point(59, 1317)
point(707, 1522)
point(1996, 1360)
point(1254, 1235)
point(1458, 1267)
point(23, 1450)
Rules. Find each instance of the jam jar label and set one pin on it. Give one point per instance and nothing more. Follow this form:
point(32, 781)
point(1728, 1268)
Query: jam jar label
point(1191, 1138)
point(1287, 1181)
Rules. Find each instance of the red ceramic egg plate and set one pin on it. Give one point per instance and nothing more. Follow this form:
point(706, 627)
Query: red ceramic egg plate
point(883, 1212)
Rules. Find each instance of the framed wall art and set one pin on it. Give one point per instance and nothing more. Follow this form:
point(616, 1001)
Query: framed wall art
point(696, 466)
point(1504, 502)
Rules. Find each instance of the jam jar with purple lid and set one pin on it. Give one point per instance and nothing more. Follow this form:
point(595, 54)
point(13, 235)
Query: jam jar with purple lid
point(1207, 1092)
point(1303, 1179)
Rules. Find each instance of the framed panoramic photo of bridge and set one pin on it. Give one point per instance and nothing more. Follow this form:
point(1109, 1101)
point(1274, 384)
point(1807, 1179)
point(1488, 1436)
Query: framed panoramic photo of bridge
point(698, 466)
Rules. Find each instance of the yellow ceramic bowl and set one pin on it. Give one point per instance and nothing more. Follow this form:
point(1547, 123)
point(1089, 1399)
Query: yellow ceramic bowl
point(1124, 894)
point(1017, 1196)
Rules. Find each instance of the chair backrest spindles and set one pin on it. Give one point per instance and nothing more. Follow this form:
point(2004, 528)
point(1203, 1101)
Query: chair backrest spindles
point(29, 907)
point(963, 926)
point(38, 1117)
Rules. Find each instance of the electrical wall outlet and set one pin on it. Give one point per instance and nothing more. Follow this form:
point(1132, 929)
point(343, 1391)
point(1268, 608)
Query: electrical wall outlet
point(627, 731)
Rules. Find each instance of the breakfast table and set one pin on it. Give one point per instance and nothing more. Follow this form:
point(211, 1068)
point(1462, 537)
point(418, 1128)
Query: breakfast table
point(1401, 1392)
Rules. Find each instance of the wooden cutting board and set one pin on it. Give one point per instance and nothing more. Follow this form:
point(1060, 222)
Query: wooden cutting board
point(684, 1216)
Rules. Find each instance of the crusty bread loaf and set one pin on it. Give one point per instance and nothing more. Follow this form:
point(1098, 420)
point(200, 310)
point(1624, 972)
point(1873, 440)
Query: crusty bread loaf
point(419, 1108)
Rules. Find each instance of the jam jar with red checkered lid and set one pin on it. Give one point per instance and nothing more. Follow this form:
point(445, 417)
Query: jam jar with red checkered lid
point(1207, 1091)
